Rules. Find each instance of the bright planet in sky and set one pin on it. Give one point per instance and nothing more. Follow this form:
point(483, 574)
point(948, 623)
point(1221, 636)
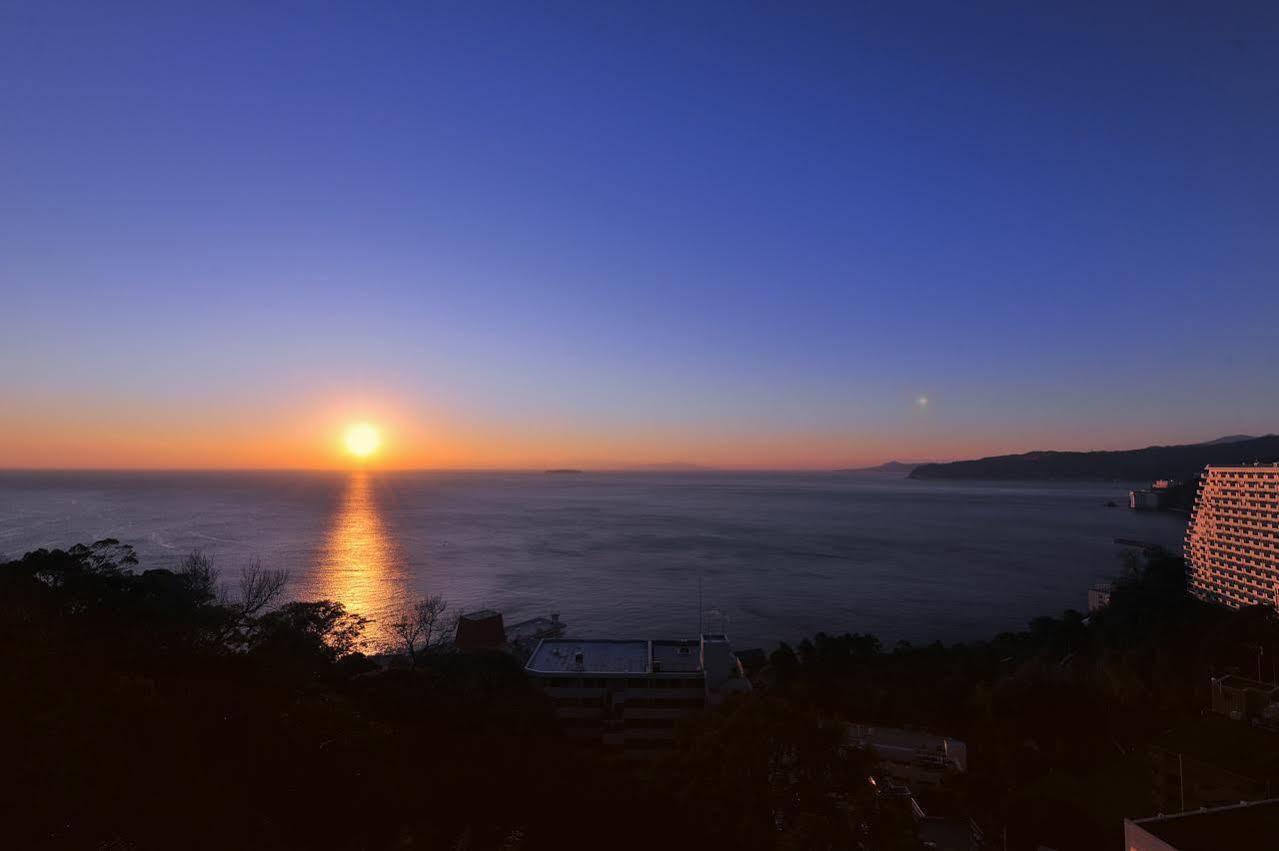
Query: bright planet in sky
point(362, 439)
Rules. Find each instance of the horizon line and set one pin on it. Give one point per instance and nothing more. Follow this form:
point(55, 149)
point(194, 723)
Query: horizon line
point(634, 468)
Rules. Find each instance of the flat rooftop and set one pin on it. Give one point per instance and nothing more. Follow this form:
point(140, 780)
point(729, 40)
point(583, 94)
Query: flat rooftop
point(606, 656)
point(1236, 681)
point(481, 615)
point(1232, 745)
point(678, 656)
point(1249, 825)
point(599, 656)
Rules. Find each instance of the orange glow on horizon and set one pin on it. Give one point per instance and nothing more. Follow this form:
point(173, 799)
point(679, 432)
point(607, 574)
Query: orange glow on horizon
point(310, 433)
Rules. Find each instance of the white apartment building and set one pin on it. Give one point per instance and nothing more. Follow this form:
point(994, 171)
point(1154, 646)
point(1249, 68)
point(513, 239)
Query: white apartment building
point(1232, 542)
point(632, 693)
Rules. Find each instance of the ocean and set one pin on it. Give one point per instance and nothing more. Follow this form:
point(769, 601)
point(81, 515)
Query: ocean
point(772, 556)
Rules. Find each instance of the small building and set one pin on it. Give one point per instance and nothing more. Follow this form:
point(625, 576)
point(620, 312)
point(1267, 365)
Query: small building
point(1147, 500)
point(1099, 596)
point(1162, 495)
point(482, 630)
point(1240, 827)
point(910, 757)
point(631, 693)
point(1242, 699)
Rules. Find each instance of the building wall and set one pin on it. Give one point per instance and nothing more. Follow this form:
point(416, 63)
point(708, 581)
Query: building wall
point(638, 712)
point(1232, 543)
point(1146, 500)
point(1137, 839)
point(1099, 597)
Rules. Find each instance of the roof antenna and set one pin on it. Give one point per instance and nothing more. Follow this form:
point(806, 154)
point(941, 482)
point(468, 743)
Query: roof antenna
point(699, 604)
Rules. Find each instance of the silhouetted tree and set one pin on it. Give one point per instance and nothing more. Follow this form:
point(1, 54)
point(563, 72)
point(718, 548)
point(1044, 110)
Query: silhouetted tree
point(420, 625)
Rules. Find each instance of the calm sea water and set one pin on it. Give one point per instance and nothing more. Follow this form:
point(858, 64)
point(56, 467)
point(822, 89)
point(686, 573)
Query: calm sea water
point(779, 556)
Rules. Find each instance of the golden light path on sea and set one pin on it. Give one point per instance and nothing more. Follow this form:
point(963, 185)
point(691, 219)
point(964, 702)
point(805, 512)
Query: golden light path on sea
point(361, 565)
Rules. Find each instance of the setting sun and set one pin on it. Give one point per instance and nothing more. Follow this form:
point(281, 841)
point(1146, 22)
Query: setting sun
point(362, 440)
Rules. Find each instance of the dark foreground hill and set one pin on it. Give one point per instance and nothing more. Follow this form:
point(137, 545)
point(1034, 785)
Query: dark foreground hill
point(1153, 462)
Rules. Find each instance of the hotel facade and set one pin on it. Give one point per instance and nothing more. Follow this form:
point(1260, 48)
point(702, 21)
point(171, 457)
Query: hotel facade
point(1232, 542)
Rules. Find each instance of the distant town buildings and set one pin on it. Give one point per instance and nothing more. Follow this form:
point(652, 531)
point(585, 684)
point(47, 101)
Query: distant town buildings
point(1152, 499)
point(632, 693)
point(1164, 495)
point(1232, 542)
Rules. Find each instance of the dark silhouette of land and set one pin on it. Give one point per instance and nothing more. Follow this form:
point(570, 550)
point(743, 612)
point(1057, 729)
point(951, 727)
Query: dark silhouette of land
point(1230, 438)
point(902, 467)
point(1135, 465)
point(154, 709)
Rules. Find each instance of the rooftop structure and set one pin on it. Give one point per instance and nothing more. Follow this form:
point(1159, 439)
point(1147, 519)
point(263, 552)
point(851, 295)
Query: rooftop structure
point(675, 656)
point(922, 759)
point(1232, 542)
point(1241, 826)
point(596, 656)
point(529, 632)
point(632, 693)
point(480, 630)
point(1243, 699)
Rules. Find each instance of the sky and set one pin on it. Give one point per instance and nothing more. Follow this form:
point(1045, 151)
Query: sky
point(609, 234)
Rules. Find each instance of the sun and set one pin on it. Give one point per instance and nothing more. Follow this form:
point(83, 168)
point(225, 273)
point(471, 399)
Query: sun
point(362, 440)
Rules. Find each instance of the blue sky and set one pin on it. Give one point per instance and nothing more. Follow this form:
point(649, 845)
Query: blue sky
point(741, 234)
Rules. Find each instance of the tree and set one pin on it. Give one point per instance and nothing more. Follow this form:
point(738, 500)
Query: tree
point(200, 576)
point(259, 588)
point(420, 626)
point(763, 772)
point(322, 632)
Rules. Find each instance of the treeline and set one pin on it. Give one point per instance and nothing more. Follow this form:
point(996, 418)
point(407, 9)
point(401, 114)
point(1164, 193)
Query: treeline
point(156, 709)
point(1057, 719)
point(160, 709)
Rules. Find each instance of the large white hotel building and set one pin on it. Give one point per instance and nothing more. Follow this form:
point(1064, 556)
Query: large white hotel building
point(1232, 543)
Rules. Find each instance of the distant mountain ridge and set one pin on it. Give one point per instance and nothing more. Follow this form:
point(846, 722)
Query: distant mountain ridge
point(1153, 462)
point(1230, 438)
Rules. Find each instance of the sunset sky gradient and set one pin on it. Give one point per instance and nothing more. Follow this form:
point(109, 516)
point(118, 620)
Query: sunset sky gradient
point(599, 235)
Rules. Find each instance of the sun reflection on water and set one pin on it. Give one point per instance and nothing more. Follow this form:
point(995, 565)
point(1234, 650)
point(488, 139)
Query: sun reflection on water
point(361, 565)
